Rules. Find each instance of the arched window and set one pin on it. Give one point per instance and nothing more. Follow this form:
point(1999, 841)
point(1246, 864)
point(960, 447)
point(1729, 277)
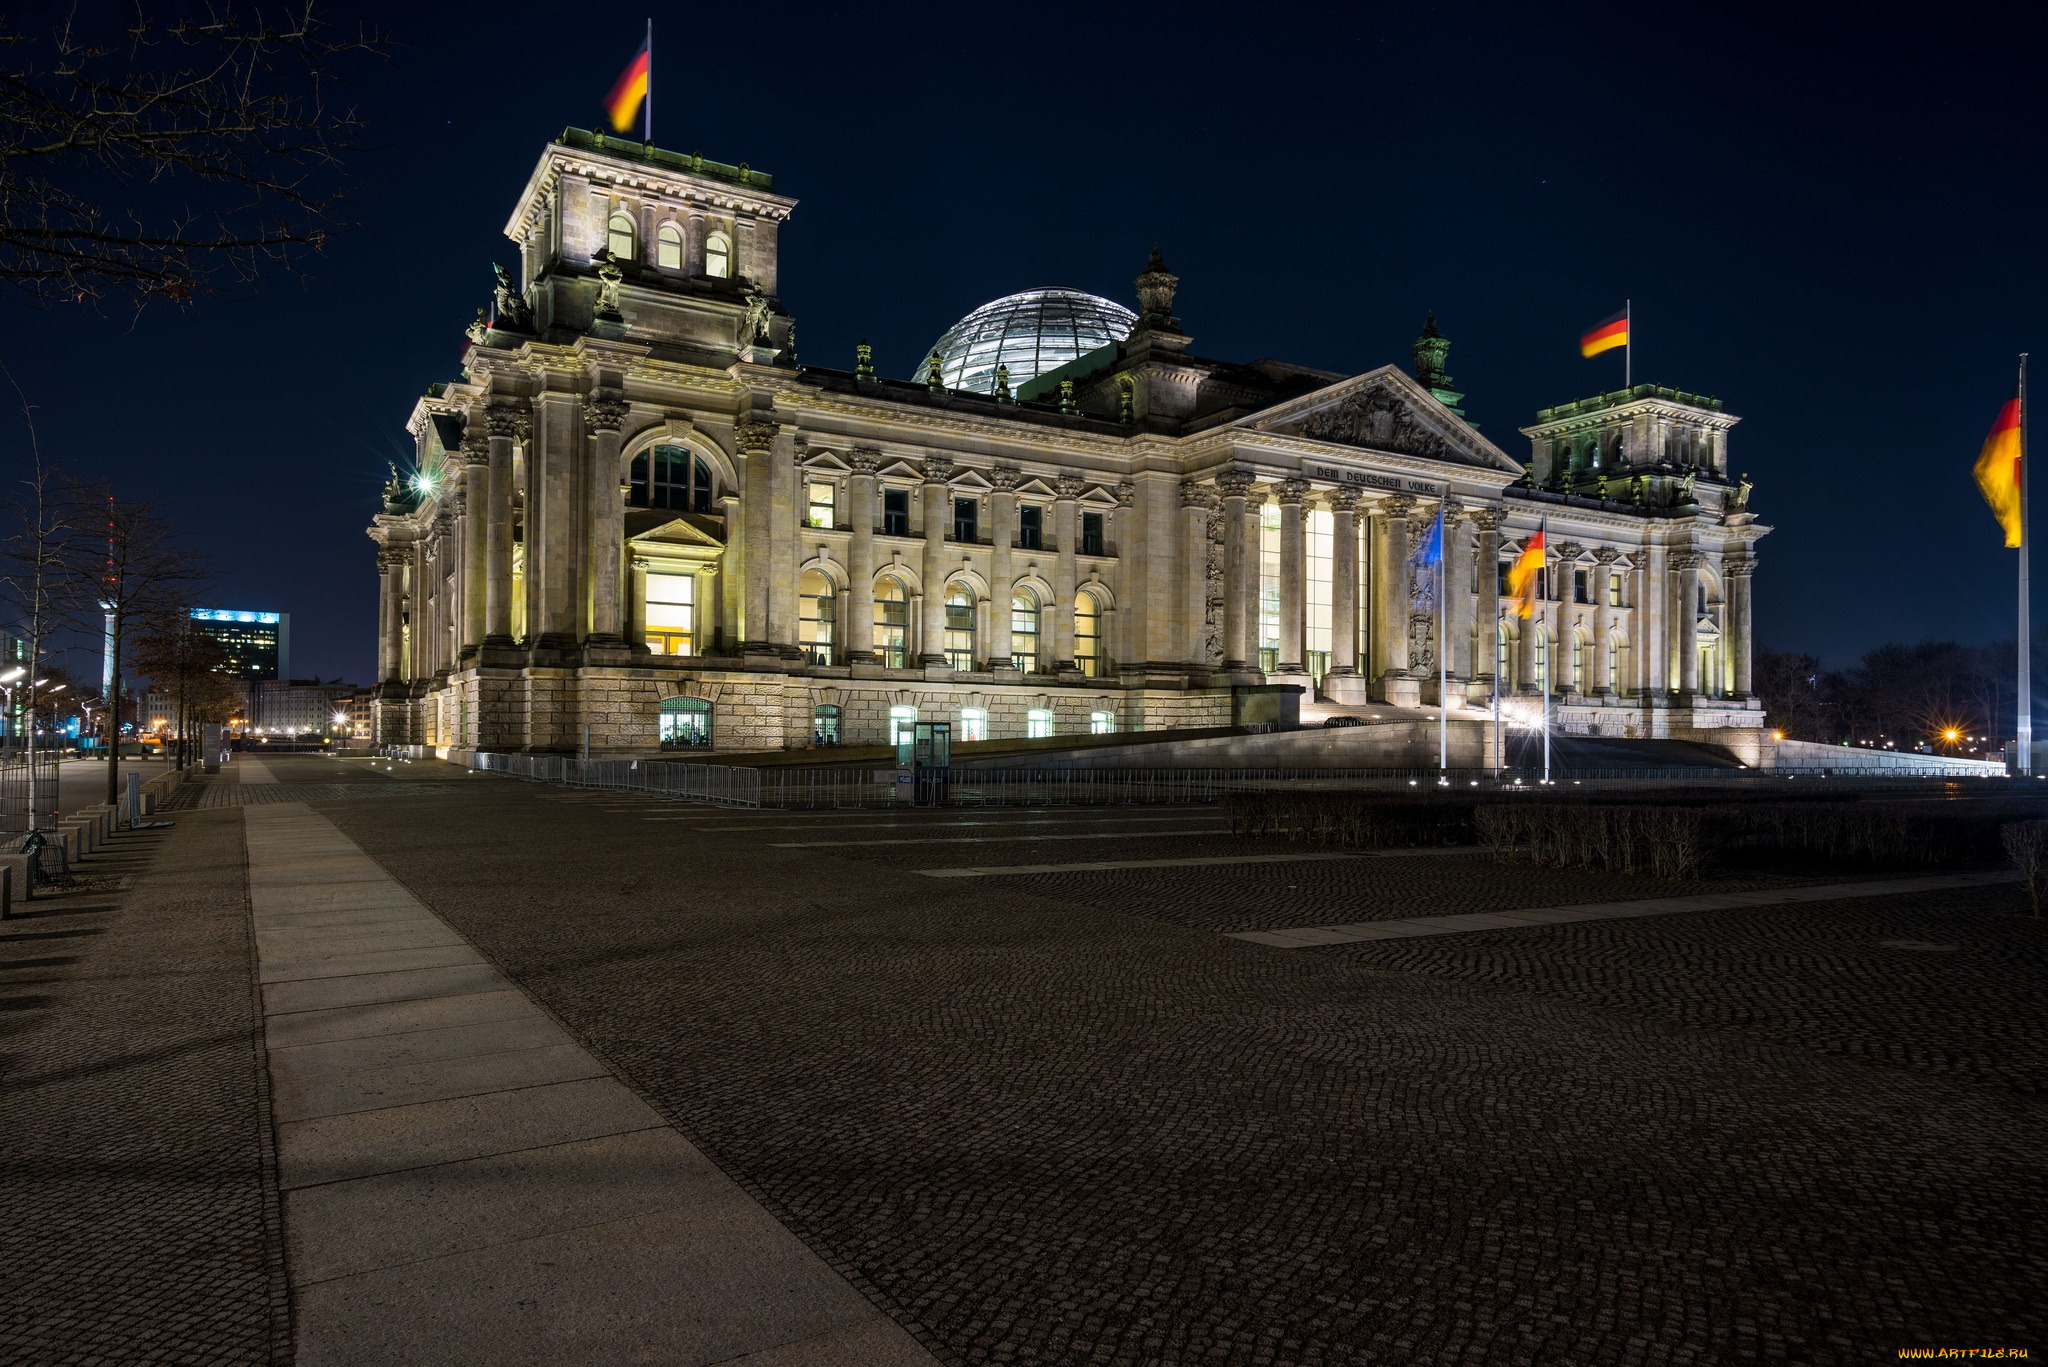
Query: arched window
point(973, 723)
point(1577, 682)
point(680, 481)
point(892, 621)
point(1613, 663)
point(718, 256)
point(1024, 631)
point(825, 724)
point(620, 237)
point(817, 609)
point(1037, 723)
point(668, 247)
point(685, 724)
point(1101, 723)
point(671, 613)
point(1087, 633)
point(959, 626)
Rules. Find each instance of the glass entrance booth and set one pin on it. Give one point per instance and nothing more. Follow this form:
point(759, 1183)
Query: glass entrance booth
point(930, 754)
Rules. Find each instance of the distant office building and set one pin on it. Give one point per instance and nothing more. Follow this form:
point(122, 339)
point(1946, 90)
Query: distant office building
point(295, 707)
point(258, 644)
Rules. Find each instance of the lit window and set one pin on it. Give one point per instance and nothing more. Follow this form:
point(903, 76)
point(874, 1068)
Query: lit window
point(1088, 634)
point(1578, 679)
point(825, 724)
point(671, 609)
point(822, 497)
point(620, 239)
point(895, 512)
point(973, 723)
point(1101, 723)
point(718, 256)
point(1024, 631)
point(903, 732)
point(892, 620)
point(1037, 723)
point(1614, 589)
point(1613, 665)
point(668, 247)
point(1319, 538)
point(685, 724)
point(959, 626)
point(817, 603)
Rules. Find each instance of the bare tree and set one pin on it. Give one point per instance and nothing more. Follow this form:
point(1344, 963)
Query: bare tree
point(131, 578)
point(33, 572)
point(188, 665)
point(170, 157)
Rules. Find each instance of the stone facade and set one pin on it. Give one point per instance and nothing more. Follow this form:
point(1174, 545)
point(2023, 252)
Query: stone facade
point(634, 493)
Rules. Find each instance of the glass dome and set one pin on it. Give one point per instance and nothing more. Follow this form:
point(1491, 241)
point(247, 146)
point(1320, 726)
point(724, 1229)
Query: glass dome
point(1031, 333)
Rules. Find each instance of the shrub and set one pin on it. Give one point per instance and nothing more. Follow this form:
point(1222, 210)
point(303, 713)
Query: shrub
point(1373, 821)
point(1665, 842)
point(2026, 844)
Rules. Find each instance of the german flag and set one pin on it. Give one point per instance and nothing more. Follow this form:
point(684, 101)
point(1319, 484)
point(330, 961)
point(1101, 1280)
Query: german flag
point(1522, 575)
point(1998, 471)
point(1606, 336)
point(629, 90)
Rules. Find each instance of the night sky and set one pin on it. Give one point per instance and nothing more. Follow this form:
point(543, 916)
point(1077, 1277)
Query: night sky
point(1832, 224)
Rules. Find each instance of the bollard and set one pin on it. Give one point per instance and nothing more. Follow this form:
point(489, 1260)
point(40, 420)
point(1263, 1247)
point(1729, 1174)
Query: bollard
point(134, 799)
point(6, 893)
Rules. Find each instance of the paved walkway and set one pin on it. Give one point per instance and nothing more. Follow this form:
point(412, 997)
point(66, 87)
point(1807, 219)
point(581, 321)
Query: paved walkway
point(464, 1183)
point(1408, 928)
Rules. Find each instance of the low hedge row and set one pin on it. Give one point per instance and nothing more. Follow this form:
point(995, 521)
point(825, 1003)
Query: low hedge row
point(1638, 836)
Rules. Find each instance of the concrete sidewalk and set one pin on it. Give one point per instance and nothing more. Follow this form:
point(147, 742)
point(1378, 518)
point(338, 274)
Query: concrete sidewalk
point(464, 1183)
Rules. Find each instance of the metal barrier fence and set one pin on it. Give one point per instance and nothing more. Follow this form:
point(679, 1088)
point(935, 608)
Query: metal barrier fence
point(19, 786)
point(734, 786)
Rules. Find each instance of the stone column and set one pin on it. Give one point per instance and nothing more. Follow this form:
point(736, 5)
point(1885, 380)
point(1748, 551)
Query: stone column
point(1486, 602)
point(605, 514)
point(1561, 671)
point(1738, 570)
point(1293, 577)
point(1235, 484)
point(1390, 597)
point(1067, 527)
point(858, 628)
point(1603, 621)
point(1002, 513)
point(693, 246)
point(501, 422)
point(1653, 612)
point(1457, 605)
point(1122, 632)
point(783, 519)
point(732, 574)
point(1254, 515)
point(1529, 677)
point(938, 518)
point(1343, 583)
point(1195, 501)
point(756, 442)
point(1686, 564)
point(390, 612)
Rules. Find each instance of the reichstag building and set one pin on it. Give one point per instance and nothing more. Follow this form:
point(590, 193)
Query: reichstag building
point(635, 512)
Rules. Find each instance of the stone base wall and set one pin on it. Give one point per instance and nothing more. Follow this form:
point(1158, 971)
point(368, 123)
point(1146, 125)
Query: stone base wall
point(545, 709)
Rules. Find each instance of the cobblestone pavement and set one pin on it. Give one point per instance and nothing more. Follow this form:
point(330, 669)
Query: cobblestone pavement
point(1048, 1120)
point(137, 1191)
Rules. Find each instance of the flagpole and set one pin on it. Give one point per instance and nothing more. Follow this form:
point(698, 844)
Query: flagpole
point(1628, 350)
point(647, 128)
point(1443, 648)
point(1543, 626)
point(2025, 766)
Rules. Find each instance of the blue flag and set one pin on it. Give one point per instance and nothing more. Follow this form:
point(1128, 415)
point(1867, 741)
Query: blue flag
point(1423, 562)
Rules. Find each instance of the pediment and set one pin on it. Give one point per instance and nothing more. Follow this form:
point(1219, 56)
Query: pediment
point(1385, 410)
point(971, 480)
point(677, 532)
point(826, 459)
point(1098, 498)
point(1036, 488)
point(901, 469)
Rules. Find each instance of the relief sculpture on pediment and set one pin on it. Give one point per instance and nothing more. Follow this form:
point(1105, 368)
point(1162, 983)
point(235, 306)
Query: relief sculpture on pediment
point(1374, 419)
